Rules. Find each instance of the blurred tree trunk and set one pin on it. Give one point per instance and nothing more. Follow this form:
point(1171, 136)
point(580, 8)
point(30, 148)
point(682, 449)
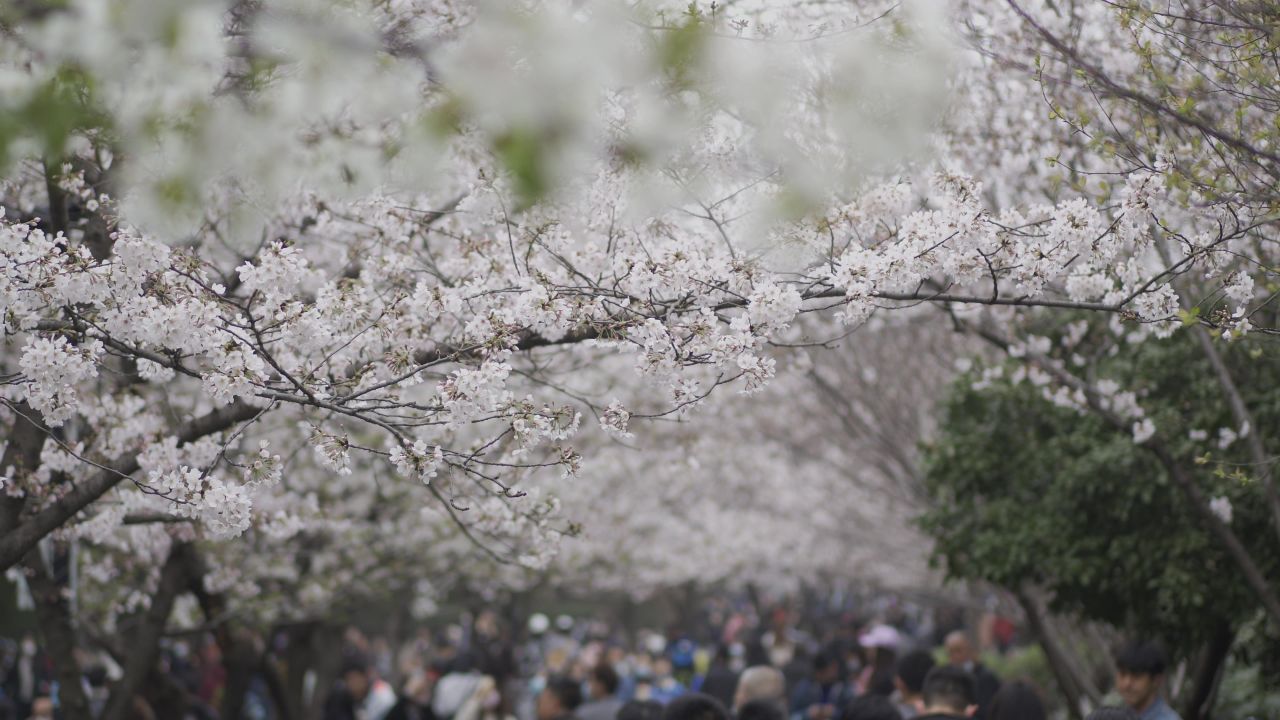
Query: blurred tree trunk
point(1207, 674)
point(144, 641)
point(1076, 687)
point(326, 660)
point(296, 662)
point(53, 613)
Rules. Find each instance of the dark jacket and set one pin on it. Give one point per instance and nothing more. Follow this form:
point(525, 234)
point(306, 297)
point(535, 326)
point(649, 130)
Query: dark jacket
point(985, 686)
point(720, 683)
point(406, 709)
point(809, 693)
point(340, 705)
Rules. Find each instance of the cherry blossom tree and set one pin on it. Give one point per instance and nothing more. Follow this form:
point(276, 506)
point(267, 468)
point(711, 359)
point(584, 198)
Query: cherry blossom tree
point(442, 238)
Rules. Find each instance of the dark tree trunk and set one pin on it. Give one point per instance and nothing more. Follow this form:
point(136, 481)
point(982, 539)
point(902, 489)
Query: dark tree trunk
point(1208, 673)
point(327, 642)
point(276, 687)
point(167, 698)
point(22, 453)
point(297, 662)
point(53, 613)
point(144, 642)
point(1074, 688)
point(240, 659)
point(239, 656)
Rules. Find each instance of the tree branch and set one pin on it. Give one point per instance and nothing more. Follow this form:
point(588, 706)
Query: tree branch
point(1244, 419)
point(24, 535)
point(22, 453)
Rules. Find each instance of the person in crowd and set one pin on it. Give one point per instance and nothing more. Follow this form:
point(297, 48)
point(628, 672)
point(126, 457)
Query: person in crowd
point(640, 710)
point(456, 686)
point(602, 693)
point(415, 702)
point(665, 687)
point(761, 710)
point(681, 654)
point(211, 672)
point(909, 675)
point(824, 695)
point(41, 708)
point(29, 677)
point(880, 643)
point(378, 702)
point(1112, 713)
point(360, 693)
point(493, 647)
point(871, 707)
point(348, 696)
point(880, 674)
point(1140, 667)
point(760, 682)
point(720, 682)
point(559, 699)
point(948, 694)
point(780, 641)
point(1017, 700)
point(695, 706)
point(485, 702)
point(962, 654)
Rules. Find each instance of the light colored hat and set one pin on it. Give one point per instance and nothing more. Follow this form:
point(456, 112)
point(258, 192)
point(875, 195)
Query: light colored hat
point(538, 623)
point(881, 636)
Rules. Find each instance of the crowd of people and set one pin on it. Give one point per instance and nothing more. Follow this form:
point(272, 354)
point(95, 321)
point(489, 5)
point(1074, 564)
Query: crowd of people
point(734, 666)
point(568, 671)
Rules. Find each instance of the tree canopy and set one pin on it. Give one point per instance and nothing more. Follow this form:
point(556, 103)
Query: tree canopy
point(1027, 493)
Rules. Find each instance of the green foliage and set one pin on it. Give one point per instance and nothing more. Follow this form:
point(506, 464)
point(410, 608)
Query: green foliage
point(681, 48)
point(1026, 492)
point(522, 154)
point(1024, 663)
point(58, 108)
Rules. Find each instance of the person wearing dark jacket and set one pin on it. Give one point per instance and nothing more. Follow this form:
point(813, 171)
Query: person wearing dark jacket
point(602, 690)
point(871, 707)
point(415, 702)
point(961, 654)
point(824, 695)
point(695, 706)
point(1017, 700)
point(559, 699)
point(948, 694)
point(721, 682)
point(351, 691)
point(909, 675)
